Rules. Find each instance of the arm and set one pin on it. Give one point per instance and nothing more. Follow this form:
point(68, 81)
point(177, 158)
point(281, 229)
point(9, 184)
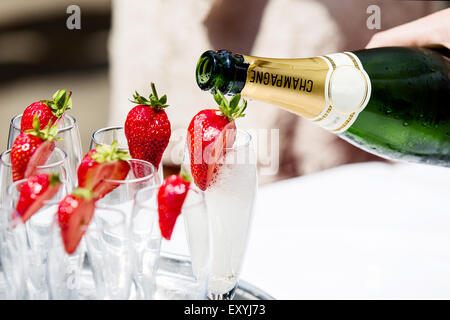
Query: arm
point(433, 29)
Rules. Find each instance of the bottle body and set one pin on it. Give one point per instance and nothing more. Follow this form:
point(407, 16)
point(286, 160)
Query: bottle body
point(393, 102)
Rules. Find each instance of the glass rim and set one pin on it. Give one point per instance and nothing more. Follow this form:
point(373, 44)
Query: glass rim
point(15, 183)
point(46, 203)
point(105, 129)
point(45, 166)
point(67, 128)
point(156, 188)
point(89, 227)
point(137, 180)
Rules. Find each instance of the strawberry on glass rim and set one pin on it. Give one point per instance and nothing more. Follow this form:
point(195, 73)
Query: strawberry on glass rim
point(210, 133)
point(47, 111)
point(171, 196)
point(35, 191)
point(74, 214)
point(105, 162)
point(32, 148)
point(147, 127)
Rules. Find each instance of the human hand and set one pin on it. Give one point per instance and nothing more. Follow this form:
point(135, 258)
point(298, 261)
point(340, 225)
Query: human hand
point(430, 30)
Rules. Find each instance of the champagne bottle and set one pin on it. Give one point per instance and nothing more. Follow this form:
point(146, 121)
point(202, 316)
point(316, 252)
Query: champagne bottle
point(392, 101)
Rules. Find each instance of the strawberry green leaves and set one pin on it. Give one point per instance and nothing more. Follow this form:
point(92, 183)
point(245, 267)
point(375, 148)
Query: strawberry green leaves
point(109, 153)
point(60, 103)
point(153, 100)
point(48, 133)
point(231, 109)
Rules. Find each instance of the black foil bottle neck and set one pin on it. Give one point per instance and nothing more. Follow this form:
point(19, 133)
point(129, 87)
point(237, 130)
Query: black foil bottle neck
point(221, 70)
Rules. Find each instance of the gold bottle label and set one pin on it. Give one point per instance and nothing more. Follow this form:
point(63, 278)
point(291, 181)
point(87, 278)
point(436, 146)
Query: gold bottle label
point(329, 90)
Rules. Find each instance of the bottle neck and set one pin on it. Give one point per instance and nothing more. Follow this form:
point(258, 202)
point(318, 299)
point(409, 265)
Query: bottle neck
point(222, 70)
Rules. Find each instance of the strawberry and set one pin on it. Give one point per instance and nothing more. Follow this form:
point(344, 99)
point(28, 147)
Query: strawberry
point(171, 196)
point(34, 192)
point(210, 133)
point(48, 111)
point(31, 149)
point(147, 128)
point(103, 162)
point(74, 214)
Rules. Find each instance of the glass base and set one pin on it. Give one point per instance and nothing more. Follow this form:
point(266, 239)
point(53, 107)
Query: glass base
point(223, 296)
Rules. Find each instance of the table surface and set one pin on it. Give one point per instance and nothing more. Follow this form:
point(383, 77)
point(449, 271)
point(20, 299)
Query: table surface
point(360, 231)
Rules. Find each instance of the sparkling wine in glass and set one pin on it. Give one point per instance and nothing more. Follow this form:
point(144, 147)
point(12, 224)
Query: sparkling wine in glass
point(230, 201)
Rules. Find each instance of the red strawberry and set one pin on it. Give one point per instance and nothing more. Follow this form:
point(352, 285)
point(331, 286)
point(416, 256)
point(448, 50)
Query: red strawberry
point(31, 149)
point(119, 172)
point(210, 132)
point(103, 162)
point(171, 196)
point(34, 192)
point(147, 128)
point(48, 111)
point(75, 212)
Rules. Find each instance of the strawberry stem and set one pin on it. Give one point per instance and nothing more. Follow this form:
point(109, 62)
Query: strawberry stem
point(54, 179)
point(153, 100)
point(109, 153)
point(185, 175)
point(155, 94)
point(60, 103)
point(83, 193)
point(231, 109)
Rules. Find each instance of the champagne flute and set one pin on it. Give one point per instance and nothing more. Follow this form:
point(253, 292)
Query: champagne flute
point(70, 142)
point(13, 241)
point(177, 268)
point(117, 133)
point(108, 249)
point(141, 175)
point(32, 238)
point(230, 201)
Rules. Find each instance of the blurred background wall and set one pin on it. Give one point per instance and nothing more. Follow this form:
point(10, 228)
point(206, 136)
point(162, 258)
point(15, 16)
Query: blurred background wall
point(123, 45)
point(39, 55)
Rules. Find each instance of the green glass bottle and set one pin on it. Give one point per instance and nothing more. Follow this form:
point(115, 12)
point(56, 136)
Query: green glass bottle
point(393, 101)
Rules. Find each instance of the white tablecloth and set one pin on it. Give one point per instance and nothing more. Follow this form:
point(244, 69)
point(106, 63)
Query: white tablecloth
point(361, 231)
